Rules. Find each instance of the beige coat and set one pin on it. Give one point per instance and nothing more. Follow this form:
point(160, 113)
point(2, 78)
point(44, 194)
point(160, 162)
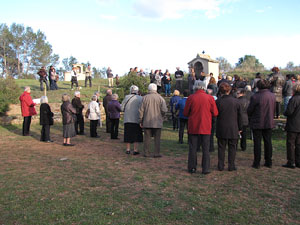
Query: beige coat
point(152, 110)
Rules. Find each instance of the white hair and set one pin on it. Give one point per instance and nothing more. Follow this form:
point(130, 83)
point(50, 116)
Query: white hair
point(248, 88)
point(26, 88)
point(199, 85)
point(109, 91)
point(94, 98)
point(44, 99)
point(115, 96)
point(134, 89)
point(152, 87)
point(76, 93)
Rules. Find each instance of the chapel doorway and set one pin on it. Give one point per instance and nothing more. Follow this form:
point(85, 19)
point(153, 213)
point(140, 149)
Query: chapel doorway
point(198, 67)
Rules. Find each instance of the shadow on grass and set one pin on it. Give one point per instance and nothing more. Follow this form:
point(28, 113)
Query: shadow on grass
point(17, 130)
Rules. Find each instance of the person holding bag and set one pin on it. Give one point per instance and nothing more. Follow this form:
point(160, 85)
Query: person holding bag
point(46, 119)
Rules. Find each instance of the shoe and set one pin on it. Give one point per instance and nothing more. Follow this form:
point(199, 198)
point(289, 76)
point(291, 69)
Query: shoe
point(297, 165)
point(291, 166)
point(127, 152)
point(135, 153)
point(205, 173)
point(157, 156)
point(220, 169)
point(255, 166)
point(64, 144)
point(232, 169)
point(81, 134)
point(192, 170)
point(268, 165)
point(180, 142)
point(49, 141)
point(69, 145)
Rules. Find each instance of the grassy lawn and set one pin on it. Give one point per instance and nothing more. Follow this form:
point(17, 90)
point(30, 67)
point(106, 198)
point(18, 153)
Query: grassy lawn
point(95, 182)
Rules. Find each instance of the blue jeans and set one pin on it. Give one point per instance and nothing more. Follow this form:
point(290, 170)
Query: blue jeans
point(168, 89)
point(286, 100)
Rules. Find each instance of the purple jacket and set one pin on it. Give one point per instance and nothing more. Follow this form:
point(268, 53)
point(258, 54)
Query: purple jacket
point(114, 109)
point(261, 110)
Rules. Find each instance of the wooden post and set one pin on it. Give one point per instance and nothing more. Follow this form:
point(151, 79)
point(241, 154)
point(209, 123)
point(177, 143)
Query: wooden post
point(45, 89)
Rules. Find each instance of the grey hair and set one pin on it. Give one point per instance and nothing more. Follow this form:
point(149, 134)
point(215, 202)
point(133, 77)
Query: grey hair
point(115, 96)
point(248, 88)
point(44, 99)
point(152, 87)
point(26, 88)
point(134, 89)
point(65, 98)
point(96, 93)
point(109, 91)
point(94, 98)
point(76, 93)
point(199, 85)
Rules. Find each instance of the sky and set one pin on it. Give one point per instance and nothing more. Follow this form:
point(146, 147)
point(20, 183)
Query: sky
point(163, 34)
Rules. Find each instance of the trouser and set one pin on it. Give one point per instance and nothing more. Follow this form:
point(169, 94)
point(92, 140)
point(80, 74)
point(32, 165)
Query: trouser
point(26, 125)
point(174, 121)
point(42, 84)
point(168, 89)
point(182, 124)
point(232, 145)
point(53, 85)
point(45, 133)
point(286, 100)
point(110, 82)
point(266, 134)
point(293, 148)
point(212, 134)
point(156, 133)
point(79, 123)
point(244, 138)
point(114, 128)
point(89, 78)
point(74, 81)
point(178, 85)
point(194, 140)
point(93, 128)
point(277, 109)
point(108, 124)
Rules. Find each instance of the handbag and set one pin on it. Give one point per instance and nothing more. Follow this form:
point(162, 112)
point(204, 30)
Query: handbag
point(87, 113)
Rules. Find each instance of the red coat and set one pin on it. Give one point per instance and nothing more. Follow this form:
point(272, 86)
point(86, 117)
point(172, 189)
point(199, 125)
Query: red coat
point(199, 108)
point(27, 105)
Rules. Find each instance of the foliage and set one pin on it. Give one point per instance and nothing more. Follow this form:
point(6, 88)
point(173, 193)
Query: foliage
point(68, 63)
point(8, 93)
point(249, 63)
point(224, 65)
point(22, 51)
point(128, 80)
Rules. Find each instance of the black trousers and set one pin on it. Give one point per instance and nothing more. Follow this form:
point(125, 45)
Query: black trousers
point(148, 133)
point(45, 133)
point(175, 121)
point(232, 145)
point(244, 138)
point(213, 128)
point(182, 124)
point(88, 79)
point(194, 140)
point(277, 109)
point(74, 81)
point(26, 125)
point(293, 148)
point(114, 128)
point(266, 134)
point(93, 128)
point(108, 124)
point(79, 123)
point(178, 85)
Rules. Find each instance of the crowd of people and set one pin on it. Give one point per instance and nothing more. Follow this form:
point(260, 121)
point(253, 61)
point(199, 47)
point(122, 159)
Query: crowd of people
point(227, 109)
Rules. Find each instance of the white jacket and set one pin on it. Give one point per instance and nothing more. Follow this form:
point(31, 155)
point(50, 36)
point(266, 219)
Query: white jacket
point(94, 111)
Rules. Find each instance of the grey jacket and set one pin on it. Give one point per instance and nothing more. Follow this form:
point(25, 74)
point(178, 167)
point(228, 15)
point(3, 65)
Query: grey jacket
point(130, 106)
point(152, 110)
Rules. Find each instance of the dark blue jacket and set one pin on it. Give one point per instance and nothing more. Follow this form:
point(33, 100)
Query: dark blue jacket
point(180, 106)
point(174, 100)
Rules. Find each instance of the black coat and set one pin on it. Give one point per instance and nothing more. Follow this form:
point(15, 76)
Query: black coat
point(261, 110)
point(46, 116)
point(229, 120)
point(106, 100)
point(293, 114)
point(76, 103)
point(244, 102)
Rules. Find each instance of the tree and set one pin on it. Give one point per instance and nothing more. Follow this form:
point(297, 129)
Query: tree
point(290, 66)
point(249, 63)
point(224, 65)
point(5, 49)
point(68, 63)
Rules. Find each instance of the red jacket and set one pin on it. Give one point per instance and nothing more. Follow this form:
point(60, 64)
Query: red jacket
point(27, 105)
point(199, 108)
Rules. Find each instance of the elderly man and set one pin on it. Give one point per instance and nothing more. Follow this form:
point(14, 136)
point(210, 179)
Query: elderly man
point(179, 79)
point(261, 117)
point(76, 103)
point(106, 100)
point(199, 108)
point(28, 110)
point(152, 111)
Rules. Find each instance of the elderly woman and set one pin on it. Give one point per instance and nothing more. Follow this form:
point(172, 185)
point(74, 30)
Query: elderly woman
point(132, 130)
point(94, 116)
point(68, 118)
point(46, 119)
point(293, 130)
point(173, 101)
point(114, 109)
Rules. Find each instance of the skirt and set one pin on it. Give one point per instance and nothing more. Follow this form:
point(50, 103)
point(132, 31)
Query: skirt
point(69, 130)
point(132, 133)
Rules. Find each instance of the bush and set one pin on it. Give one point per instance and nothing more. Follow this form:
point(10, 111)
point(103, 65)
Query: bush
point(9, 94)
point(127, 81)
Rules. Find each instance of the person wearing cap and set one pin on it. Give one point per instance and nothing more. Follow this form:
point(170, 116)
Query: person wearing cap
point(132, 131)
point(151, 116)
point(199, 108)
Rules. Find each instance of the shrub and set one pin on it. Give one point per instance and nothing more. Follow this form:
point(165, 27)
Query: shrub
point(9, 93)
point(127, 81)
